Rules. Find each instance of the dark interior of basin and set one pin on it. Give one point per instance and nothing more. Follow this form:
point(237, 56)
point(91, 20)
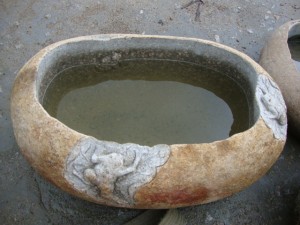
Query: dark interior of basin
point(294, 45)
point(148, 96)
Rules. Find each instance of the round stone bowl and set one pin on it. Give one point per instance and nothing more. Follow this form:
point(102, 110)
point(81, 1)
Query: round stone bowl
point(134, 176)
point(276, 59)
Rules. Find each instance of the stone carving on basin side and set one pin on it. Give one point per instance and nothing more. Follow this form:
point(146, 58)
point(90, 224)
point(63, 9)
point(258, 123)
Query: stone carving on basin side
point(272, 106)
point(111, 171)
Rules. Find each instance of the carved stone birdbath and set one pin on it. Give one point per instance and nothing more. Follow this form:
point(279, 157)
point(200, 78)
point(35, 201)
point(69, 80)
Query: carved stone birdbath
point(135, 176)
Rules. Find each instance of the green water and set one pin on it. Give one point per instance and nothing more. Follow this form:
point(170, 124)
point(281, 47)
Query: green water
point(294, 46)
point(148, 102)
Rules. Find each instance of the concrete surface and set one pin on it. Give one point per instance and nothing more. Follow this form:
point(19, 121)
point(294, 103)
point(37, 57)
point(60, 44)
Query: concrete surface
point(27, 26)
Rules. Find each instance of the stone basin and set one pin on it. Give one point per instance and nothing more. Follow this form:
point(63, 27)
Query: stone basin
point(135, 176)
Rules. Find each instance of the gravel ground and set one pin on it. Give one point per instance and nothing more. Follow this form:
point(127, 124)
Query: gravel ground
point(29, 25)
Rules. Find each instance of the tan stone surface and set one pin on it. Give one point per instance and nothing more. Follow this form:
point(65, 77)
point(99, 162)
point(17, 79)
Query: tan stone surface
point(203, 173)
point(43, 140)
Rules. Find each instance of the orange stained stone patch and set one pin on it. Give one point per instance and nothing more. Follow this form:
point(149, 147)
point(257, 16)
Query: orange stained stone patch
point(183, 196)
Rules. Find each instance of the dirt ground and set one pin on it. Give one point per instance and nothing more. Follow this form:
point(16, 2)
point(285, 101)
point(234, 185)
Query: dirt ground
point(26, 26)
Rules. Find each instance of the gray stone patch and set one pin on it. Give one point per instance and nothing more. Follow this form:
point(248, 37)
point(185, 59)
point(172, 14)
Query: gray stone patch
point(111, 171)
point(272, 106)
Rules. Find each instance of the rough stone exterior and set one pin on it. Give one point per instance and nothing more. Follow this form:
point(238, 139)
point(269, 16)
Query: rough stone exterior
point(137, 176)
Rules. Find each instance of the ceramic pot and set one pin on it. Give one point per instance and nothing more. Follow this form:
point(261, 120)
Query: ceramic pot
point(277, 61)
point(135, 176)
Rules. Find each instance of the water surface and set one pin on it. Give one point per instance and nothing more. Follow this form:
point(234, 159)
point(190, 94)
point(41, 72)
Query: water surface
point(148, 102)
point(294, 46)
